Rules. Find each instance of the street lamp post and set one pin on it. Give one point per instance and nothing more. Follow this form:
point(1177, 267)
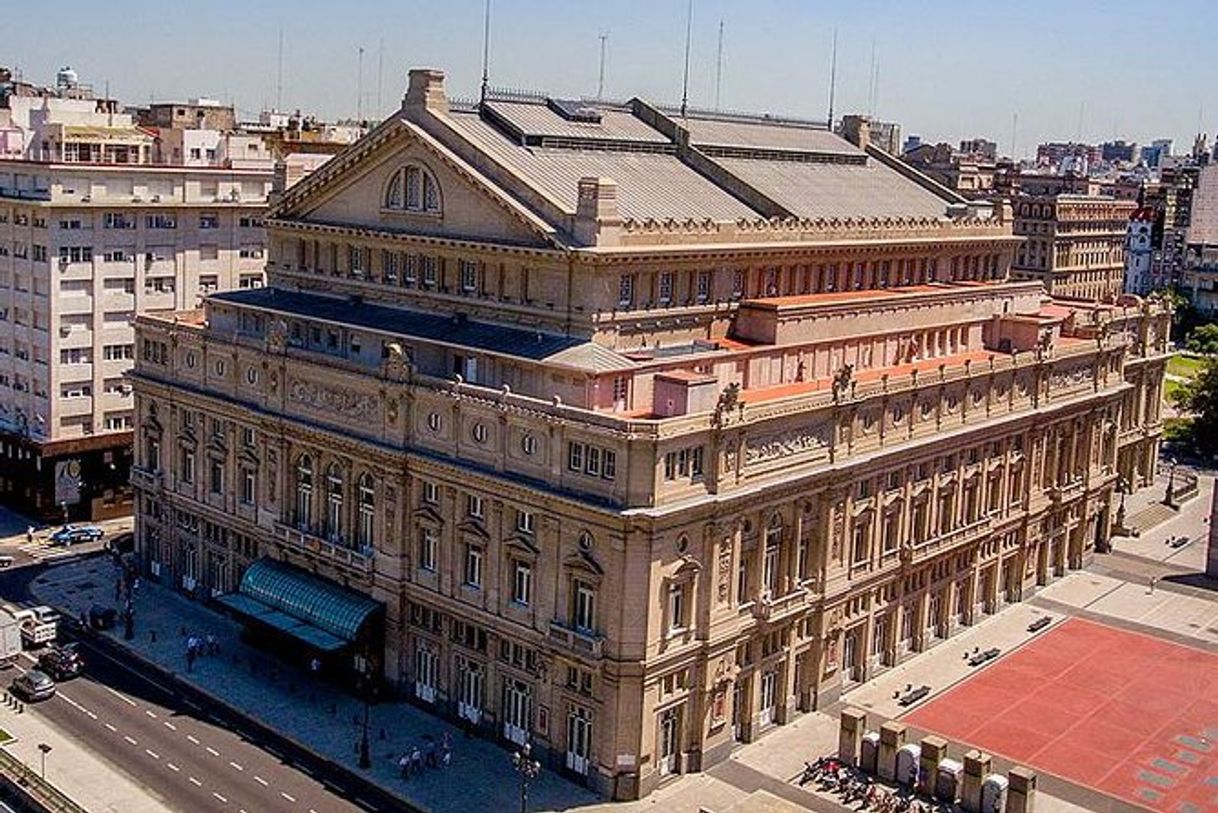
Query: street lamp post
point(1169, 499)
point(528, 769)
point(45, 749)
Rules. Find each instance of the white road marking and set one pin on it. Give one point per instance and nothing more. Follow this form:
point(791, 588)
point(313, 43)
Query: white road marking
point(221, 798)
point(130, 740)
point(173, 767)
point(195, 782)
point(170, 725)
point(192, 739)
point(150, 714)
point(77, 706)
point(262, 781)
point(286, 796)
point(112, 728)
point(121, 697)
point(235, 765)
point(152, 754)
point(213, 751)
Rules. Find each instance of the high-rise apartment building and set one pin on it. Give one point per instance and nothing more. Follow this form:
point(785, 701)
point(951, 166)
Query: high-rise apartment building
point(627, 433)
point(101, 220)
point(1075, 244)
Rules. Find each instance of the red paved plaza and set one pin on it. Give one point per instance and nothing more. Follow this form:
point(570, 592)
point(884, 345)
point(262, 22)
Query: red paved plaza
point(1120, 712)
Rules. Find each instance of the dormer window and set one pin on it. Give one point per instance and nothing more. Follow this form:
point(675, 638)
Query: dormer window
point(413, 189)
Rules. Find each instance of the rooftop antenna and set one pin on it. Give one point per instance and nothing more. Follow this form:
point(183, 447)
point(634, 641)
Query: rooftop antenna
point(486, 49)
point(600, 82)
point(719, 67)
point(359, 87)
point(1014, 133)
point(380, 73)
point(871, 82)
point(1082, 109)
point(689, 30)
point(832, 77)
point(109, 106)
point(279, 74)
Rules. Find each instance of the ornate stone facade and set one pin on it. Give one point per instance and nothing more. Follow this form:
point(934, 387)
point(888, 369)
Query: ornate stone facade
point(626, 487)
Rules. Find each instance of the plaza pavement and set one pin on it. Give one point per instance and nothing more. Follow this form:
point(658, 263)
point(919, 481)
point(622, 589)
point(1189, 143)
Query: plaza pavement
point(481, 777)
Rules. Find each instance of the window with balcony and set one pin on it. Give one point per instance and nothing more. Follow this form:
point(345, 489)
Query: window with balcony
point(216, 477)
point(304, 492)
point(625, 290)
point(334, 504)
point(522, 583)
point(367, 510)
point(664, 294)
point(249, 486)
point(703, 287)
point(429, 542)
point(186, 469)
point(583, 606)
point(473, 565)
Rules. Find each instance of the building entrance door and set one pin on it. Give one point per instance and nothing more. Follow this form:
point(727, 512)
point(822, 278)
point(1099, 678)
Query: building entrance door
point(517, 710)
point(740, 709)
point(469, 696)
point(850, 657)
point(579, 740)
point(769, 694)
point(425, 668)
point(670, 727)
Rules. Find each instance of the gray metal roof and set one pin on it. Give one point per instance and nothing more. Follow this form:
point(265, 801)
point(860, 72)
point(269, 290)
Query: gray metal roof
point(392, 321)
point(766, 136)
point(650, 185)
point(540, 120)
point(828, 190)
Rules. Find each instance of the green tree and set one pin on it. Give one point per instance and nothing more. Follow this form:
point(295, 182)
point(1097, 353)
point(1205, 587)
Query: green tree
point(1200, 398)
point(1203, 339)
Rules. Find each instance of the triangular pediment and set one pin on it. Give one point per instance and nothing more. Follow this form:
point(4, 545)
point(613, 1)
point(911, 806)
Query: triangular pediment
point(351, 190)
point(473, 529)
point(429, 514)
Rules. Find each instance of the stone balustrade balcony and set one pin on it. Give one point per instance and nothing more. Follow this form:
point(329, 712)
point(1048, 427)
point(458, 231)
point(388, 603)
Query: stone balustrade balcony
point(146, 479)
point(581, 642)
point(319, 547)
point(772, 609)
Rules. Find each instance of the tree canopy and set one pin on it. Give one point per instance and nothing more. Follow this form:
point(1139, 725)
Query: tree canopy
point(1200, 397)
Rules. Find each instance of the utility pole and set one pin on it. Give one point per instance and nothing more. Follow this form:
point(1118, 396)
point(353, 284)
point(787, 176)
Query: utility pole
point(600, 82)
point(359, 87)
point(279, 76)
point(689, 31)
point(486, 50)
point(832, 78)
point(380, 74)
point(719, 67)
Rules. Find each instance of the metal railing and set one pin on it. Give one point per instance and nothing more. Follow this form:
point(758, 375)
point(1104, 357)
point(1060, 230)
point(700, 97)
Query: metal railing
point(31, 789)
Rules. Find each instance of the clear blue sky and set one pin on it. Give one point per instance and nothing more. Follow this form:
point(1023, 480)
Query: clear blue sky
point(947, 68)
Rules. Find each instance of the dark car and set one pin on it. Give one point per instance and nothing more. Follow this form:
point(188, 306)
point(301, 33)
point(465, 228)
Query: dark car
point(102, 618)
point(121, 543)
point(61, 663)
point(71, 534)
point(33, 686)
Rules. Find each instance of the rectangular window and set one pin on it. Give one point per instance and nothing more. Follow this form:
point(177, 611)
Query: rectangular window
point(524, 521)
point(703, 292)
point(608, 464)
point(625, 290)
point(161, 221)
point(391, 266)
point(248, 486)
point(429, 271)
point(428, 542)
point(583, 606)
point(187, 472)
point(411, 271)
point(217, 477)
point(473, 566)
point(592, 461)
point(665, 288)
point(117, 220)
point(474, 506)
point(469, 276)
point(676, 607)
point(431, 493)
point(695, 461)
point(209, 221)
point(737, 284)
point(522, 584)
point(575, 456)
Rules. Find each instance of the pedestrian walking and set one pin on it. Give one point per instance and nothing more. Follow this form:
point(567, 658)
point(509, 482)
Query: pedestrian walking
point(404, 765)
point(416, 760)
point(213, 647)
point(190, 656)
point(29, 534)
point(1153, 581)
point(315, 666)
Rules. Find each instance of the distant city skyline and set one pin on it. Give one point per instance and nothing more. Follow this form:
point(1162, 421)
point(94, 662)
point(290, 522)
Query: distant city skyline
point(1080, 70)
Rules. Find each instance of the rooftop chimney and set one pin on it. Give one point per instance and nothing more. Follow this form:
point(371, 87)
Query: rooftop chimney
point(597, 222)
point(857, 130)
point(425, 91)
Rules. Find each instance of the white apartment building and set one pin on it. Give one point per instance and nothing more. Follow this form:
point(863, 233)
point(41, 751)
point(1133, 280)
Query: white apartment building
point(93, 232)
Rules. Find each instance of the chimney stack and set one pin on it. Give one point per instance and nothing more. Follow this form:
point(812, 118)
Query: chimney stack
point(597, 222)
point(425, 91)
point(857, 130)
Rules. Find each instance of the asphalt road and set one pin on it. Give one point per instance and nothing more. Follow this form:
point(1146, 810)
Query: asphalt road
point(174, 747)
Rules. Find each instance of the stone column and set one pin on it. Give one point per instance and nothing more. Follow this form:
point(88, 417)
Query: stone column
point(934, 749)
point(892, 738)
point(1211, 563)
point(850, 738)
point(976, 768)
point(1021, 793)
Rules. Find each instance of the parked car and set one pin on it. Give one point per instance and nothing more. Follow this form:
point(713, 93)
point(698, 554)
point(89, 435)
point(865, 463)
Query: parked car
point(101, 617)
point(71, 534)
point(33, 686)
point(61, 663)
point(121, 543)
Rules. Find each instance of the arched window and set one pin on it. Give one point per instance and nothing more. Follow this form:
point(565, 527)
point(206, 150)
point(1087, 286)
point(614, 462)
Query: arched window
point(304, 492)
point(413, 189)
point(334, 503)
point(367, 510)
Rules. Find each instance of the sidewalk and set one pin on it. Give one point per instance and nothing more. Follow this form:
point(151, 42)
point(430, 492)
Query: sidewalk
point(85, 777)
point(317, 715)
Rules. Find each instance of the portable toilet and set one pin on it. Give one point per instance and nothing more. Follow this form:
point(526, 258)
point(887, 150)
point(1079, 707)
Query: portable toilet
point(994, 793)
point(869, 761)
point(947, 783)
point(907, 764)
